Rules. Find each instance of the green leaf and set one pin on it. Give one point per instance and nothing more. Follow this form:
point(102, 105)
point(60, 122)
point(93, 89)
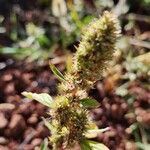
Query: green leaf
point(143, 146)
point(97, 146)
point(92, 133)
point(89, 103)
point(85, 146)
point(47, 124)
point(57, 72)
point(43, 98)
point(92, 145)
point(44, 145)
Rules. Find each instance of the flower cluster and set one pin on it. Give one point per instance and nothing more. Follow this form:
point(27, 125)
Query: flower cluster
point(91, 59)
point(96, 48)
point(70, 120)
point(94, 52)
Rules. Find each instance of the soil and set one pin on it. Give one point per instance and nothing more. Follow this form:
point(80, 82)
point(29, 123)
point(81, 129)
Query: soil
point(21, 125)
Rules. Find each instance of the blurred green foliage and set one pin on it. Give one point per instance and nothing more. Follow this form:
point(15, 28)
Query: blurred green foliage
point(34, 29)
point(35, 32)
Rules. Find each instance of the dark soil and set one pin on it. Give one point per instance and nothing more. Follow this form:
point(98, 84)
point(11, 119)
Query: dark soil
point(21, 126)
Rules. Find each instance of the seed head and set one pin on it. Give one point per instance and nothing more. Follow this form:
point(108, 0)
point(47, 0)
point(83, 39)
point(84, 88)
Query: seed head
point(96, 48)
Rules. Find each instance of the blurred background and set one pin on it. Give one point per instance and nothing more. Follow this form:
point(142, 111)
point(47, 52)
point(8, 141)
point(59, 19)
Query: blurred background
point(34, 33)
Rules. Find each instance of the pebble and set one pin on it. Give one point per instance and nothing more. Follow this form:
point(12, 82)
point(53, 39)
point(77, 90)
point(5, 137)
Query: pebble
point(26, 109)
point(17, 125)
point(3, 121)
point(4, 148)
point(36, 142)
point(10, 88)
point(42, 131)
point(3, 141)
point(7, 107)
point(7, 77)
point(33, 119)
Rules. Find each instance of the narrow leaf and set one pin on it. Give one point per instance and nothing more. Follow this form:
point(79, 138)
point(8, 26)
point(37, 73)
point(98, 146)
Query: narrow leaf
point(44, 145)
point(84, 145)
point(93, 133)
point(57, 72)
point(89, 103)
point(43, 98)
point(92, 145)
point(143, 146)
point(47, 124)
point(97, 146)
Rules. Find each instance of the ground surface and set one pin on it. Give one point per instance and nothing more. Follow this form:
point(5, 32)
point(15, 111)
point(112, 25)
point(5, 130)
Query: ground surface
point(21, 126)
point(127, 113)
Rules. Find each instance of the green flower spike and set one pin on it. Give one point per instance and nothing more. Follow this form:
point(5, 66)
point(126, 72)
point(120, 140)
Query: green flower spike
point(96, 48)
point(94, 53)
point(70, 122)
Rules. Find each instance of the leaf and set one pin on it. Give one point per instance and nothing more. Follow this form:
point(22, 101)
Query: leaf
point(92, 145)
point(92, 133)
point(44, 145)
point(47, 124)
point(43, 98)
point(143, 146)
point(85, 146)
point(97, 146)
point(89, 103)
point(57, 72)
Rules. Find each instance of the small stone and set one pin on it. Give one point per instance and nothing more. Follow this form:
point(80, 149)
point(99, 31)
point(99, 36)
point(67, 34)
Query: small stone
point(26, 109)
point(7, 107)
point(17, 125)
point(42, 132)
point(4, 148)
point(3, 141)
point(114, 110)
point(124, 106)
point(36, 142)
point(3, 121)
point(33, 119)
point(7, 77)
point(97, 113)
point(146, 119)
point(13, 145)
point(13, 99)
point(40, 109)
point(29, 131)
point(28, 147)
point(10, 88)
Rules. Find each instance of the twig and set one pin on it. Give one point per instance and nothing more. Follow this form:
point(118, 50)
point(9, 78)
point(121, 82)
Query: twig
point(139, 43)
